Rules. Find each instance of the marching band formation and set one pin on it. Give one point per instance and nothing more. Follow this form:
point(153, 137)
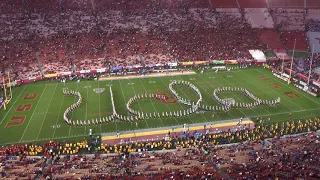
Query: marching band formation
point(256, 101)
point(194, 106)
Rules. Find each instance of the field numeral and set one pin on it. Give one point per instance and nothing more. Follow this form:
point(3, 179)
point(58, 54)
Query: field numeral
point(211, 77)
point(263, 78)
point(130, 84)
point(30, 96)
point(24, 107)
point(292, 95)
point(152, 82)
point(55, 126)
point(109, 85)
point(275, 85)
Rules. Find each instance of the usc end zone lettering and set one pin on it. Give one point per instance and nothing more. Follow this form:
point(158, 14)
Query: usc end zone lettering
point(19, 120)
point(292, 95)
point(16, 121)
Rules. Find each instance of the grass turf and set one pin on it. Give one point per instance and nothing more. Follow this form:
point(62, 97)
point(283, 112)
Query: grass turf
point(43, 118)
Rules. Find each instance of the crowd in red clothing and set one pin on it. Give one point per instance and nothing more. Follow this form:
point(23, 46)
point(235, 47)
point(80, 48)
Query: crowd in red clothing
point(34, 41)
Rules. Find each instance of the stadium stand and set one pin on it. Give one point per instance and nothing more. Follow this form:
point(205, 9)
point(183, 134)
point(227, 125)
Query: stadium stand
point(39, 38)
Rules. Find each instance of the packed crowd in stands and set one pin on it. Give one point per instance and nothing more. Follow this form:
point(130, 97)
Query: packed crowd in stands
point(313, 25)
point(36, 42)
point(261, 151)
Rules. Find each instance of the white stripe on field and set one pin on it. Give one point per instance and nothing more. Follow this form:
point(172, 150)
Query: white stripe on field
point(46, 112)
point(33, 113)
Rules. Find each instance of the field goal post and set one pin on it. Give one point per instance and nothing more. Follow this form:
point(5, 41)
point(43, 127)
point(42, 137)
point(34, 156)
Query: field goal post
point(5, 96)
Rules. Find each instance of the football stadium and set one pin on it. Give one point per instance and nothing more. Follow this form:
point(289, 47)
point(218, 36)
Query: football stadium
point(204, 89)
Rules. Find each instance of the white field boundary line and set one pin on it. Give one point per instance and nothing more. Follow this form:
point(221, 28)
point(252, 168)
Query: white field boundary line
point(212, 92)
point(74, 102)
point(167, 104)
point(149, 100)
point(185, 73)
point(33, 113)
point(54, 131)
point(253, 93)
point(276, 91)
point(13, 105)
point(288, 112)
point(290, 87)
point(168, 127)
point(45, 116)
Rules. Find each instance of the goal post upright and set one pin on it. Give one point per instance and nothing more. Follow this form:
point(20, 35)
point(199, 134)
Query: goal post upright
point(10, 89)
point(4, 93)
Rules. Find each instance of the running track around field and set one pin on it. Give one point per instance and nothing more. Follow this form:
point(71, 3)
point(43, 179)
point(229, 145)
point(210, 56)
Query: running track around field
point(131, 136)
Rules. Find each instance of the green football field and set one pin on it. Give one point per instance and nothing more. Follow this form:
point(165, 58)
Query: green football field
point(35, 113)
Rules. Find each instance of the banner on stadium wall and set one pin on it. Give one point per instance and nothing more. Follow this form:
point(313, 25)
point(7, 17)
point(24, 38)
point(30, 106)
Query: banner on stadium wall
point(218, 61)
point(220, 67)
point(316, 83)
point(85, 71)
point(159, 65)
point(66, 73)
point(50, 75)
point(101, 70)
point(174, 64)
point(116, 68)
point(314, 40)
point(302, 76)
point(285, 75)
point(231, 62)
point(200, 62)
point(186, 63)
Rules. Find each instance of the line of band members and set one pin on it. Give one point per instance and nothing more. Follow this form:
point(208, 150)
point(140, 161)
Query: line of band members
point(73, 106)
point(257, 101)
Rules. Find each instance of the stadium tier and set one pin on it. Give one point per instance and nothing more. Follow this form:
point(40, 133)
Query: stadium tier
point(138, 89)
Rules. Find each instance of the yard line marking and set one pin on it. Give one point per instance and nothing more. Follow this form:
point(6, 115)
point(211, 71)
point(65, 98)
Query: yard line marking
point(13, 105)
point(54, 131)
point(294, 89)
point(125, 104)
point(138, 101)
point(99, 107)
point(177, 103)
point(249, 98)
point(265, 93)
point(210, 94)
point(86, 119)
point(74, 102)
point(46, 112)
point(167, 104)
point(150, 100)
point(275, 91)
point(190, 99)
point(33, 113)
